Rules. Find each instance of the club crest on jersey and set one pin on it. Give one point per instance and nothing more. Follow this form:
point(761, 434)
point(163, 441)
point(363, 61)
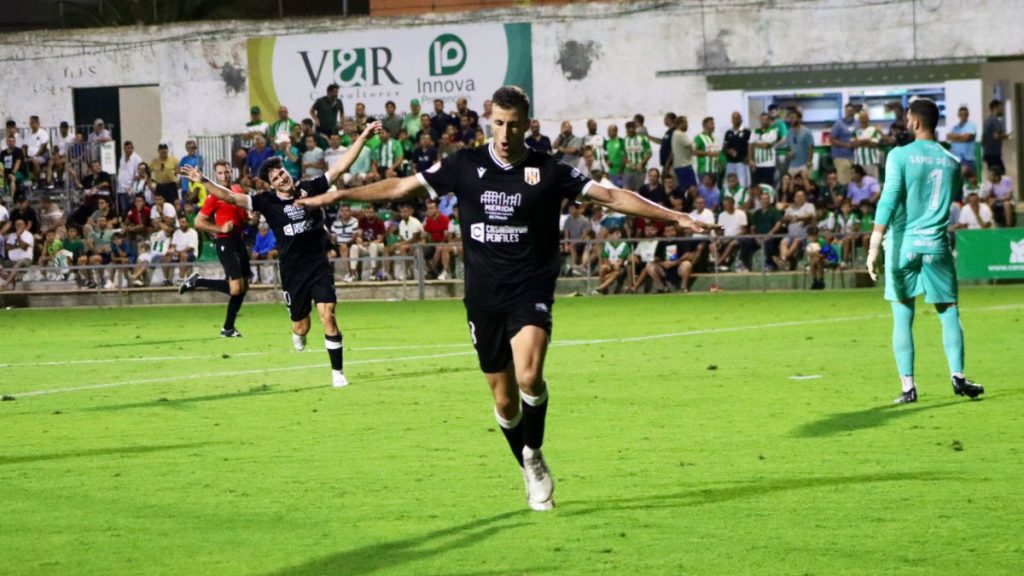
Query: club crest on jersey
point(531, 175)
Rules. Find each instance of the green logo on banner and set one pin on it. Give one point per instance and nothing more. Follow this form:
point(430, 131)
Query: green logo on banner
point(447, 55)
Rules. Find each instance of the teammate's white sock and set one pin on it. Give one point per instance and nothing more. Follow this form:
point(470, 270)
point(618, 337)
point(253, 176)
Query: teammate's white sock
point(958, 375)
point(908, 383)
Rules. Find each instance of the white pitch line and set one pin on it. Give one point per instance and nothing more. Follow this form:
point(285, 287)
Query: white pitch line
point(808, 377)
point(564, 343)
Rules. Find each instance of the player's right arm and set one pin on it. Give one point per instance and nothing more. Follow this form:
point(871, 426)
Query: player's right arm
point(222, 193)
point(436, 180)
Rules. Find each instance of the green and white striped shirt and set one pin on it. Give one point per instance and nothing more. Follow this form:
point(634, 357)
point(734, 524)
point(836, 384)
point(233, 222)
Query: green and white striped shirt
point(706, 143)
point(636, 148)
point(765, 157)
point(389, 153)
point(739, 194)
point(866, 156)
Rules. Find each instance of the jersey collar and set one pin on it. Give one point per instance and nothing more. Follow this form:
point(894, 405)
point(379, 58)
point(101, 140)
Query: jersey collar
point(501, 163)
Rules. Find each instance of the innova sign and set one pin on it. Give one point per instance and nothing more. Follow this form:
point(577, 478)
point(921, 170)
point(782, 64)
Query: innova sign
point(374, 66)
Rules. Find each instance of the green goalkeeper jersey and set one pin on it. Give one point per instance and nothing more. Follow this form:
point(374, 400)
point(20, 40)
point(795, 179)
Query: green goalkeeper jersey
point(921, 180)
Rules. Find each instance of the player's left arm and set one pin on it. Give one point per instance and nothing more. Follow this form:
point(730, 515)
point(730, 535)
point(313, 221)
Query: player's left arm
point(886, 204)
point(341, 165)
point(632, 204)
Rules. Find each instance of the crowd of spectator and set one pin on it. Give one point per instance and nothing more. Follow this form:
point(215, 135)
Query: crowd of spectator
point(767, 187)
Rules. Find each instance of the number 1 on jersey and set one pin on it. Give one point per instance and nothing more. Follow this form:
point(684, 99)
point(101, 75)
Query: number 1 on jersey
point(935, 179)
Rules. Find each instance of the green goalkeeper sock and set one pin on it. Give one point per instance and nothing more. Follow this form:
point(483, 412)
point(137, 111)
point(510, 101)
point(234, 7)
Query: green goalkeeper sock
point(903, 337)
point(952, 338)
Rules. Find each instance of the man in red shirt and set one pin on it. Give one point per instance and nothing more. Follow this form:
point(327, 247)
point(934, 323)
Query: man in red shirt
point(369, 241)
point(137, 222)
point(227, 227)
point(436, 225)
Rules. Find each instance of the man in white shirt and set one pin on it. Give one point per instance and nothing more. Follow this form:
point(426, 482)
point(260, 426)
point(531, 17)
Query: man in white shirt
point(99, 133)
point(126, 172)
point(734, 223)
point(184, 246)
point(58, 159)
point(797, 217)
point(343, 234)
point(151, 253)
point(333, 153)
point(37, 148)
point(19, 246)
point(975, 215)
point(163, 210)
point(410, 230)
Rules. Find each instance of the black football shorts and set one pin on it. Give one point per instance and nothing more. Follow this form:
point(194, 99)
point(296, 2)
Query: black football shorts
point(492, 330)
point(304, 285)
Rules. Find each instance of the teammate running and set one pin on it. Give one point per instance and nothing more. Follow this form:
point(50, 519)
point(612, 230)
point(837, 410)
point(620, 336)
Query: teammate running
point(921, 181)
point(302, 240)
point(228, 225)
point(510, 199)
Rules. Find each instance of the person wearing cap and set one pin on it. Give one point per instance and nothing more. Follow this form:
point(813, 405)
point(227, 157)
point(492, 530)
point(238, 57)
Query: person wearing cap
point(256, 124)
point(326, 111)
point(99, 133)
point(164, 169)
point(412, 120)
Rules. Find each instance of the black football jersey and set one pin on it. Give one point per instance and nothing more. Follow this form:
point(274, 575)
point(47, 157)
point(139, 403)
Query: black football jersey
point(508, 215)
point(301, 235)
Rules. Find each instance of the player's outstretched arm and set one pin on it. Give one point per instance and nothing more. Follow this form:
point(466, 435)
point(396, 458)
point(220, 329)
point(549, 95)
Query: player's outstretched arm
point(387, 190)
point(341, 165)
point(633, 204)
point(222, 193)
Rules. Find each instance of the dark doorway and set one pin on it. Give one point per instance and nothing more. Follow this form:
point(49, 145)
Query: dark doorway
point(93, 103)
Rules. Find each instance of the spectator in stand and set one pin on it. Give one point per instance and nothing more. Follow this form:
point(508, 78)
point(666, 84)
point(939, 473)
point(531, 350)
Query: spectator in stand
point(342, 234)
point(740, 194)
point(450, 142)
point(254, 159)
point(99, 133)
point(97, 249)
point(641, 128)
point(762, 156)
point(832, 193)
point(19, 247)
point(37, 150)
point(52, 245)
point(467, 131)
point(138, 222)
point(104, 210)
point(997, 192)
point(699, 243)
point(709, 191)
point(643, 256)
point(777, 121)
point(567, 146)
point(427, 127)
point(362, 171)
point(23, 210)
point(447, 204)
point(589, 162)
point(440, 120)
point(327, 110)
point(992, 135)
point(95, 185)
point(5, 223)
point(256, 126)
point(369, 241)
point(265, 248)
point(151, 253)
point(678, 199)
point(665, 148)
point(51, 216)
point(485, 118)
point(614, 254)
point(360, 119)
point(847, 230)
point(424, 155)
point(733, 222)
point(412, 123)
point(801, 147)
point(816, 257)
point(332, 153)
point(842, 143)
point(407, 145)
point(127, 171)
point(962, 137)
point(462, 111)
point(652, 188)
point(537, 141)
point(975, 215)
point(766, 220)
point(389, 156)
point(596, 142)
point(184, 247)
point(867, 140)
point(737, 150)
point(165, 173)
point(798, 217)
point(706, 150)
point(73, 244)
point(164, 211)
point(191, 158)
point(142, 184)
point(121, 253)
point(282, 126)
point(575, 232)
point(289, 154)
point(12, 130)
point(615, 156)
point(863, 187)
point(58, 161)
point(13, 161)
point(313, 164)
point(638, 153)
point(971, 184)
point(410, 233)
point(682, 156)
point(435, 225)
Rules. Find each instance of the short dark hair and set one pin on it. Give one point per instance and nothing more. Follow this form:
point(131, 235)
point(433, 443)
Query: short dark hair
point(706, 120)
point(638, 118)
point(33, 117)
point(963, 109)
point(859, 170)
point(926, 112)
point(509, 97)
point(994, 104)
point(221, 163)
point(773, 107)
point(332, 86)
point(796, 113)
point(272, 163)
point(391, 102)
point(128, 143)
point(630, 125)
point(64, 124)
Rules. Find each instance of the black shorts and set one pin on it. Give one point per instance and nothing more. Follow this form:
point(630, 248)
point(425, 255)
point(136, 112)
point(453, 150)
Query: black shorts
point(233, 257)
point(492, 330)
point(304, 285)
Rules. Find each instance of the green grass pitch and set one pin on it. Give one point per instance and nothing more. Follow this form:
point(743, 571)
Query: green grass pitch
point(139, 442)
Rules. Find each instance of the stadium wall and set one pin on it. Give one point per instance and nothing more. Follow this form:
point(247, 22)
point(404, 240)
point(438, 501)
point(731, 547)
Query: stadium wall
point(590, 60)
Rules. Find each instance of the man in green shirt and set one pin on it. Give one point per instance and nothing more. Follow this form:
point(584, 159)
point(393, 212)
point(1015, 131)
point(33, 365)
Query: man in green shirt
point(778, 123)
point(326, 111)
point(412, 120)
point(615, 150)
point(767, 220)
point(388, 157)
point(638, 152)
point(283, 125)
point(706, 150)
point(921, 180)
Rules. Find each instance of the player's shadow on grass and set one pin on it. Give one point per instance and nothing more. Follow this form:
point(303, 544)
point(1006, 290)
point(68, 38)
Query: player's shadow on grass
point(93, 452)
point(863, 419)
point(393, 553)
point(190, 400)
point(706, 496)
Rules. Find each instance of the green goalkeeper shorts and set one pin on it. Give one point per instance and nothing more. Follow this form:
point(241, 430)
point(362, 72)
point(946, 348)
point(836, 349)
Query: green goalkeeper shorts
point(908, 274)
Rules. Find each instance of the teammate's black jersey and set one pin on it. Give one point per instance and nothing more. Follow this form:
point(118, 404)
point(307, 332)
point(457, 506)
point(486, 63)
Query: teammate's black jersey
point(301, 236)
point(509, 217)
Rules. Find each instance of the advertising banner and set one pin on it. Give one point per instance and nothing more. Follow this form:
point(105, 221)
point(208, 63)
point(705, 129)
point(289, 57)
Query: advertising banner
point(990, 254)
point(373, 66)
